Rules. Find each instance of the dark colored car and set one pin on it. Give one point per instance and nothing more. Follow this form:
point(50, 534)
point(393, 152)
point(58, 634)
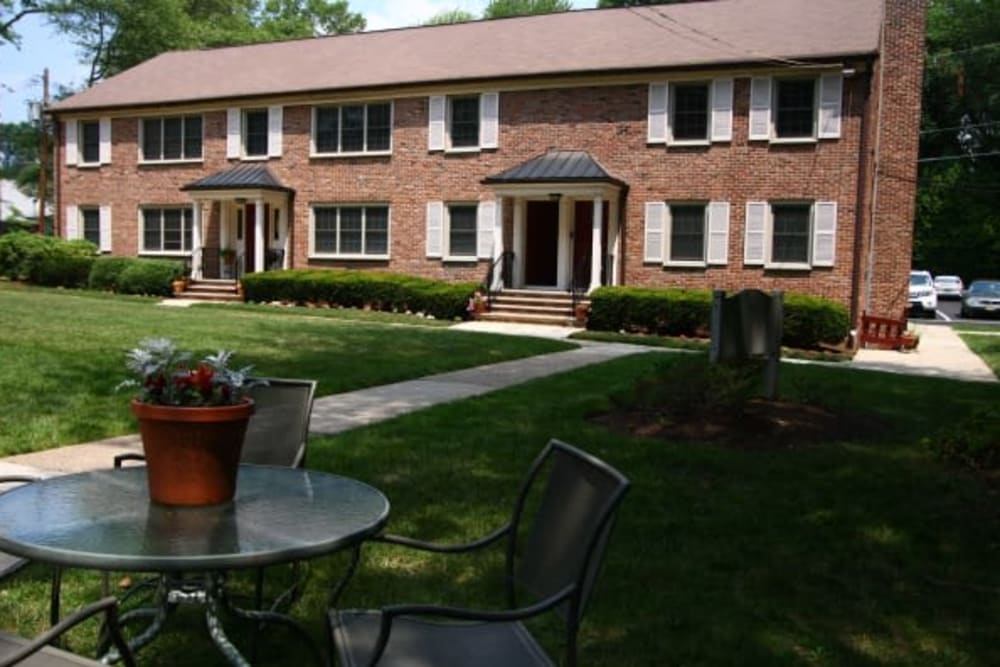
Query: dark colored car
point(982, 299)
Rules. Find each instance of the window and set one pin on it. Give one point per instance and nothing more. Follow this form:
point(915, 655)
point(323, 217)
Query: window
point(167, 230)
point(90, 220)
point(255, 132)
point(463, 123)
point(90, 142)
point(794, 108)
point(351, 231)
point(361, 128)
point(687, 233)
point(461, 230)
point(791, 235)
point(690, 112)
point(172, 138)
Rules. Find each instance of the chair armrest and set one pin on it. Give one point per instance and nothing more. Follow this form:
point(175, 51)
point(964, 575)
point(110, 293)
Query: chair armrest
point(462, 614)
point(18, 479)
point(121, 458)
point(108, 605)
point(444, 548)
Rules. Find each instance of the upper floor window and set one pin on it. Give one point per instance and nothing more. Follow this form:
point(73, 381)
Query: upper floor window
point(790, 235)
point(690, 112)
point(353, 128)
point(172, 138)
point(167, 230)
point(692, 234)
point(350, 231)
point(463, 122)
point(796, 108)
point(88, 142)
point(254, 133)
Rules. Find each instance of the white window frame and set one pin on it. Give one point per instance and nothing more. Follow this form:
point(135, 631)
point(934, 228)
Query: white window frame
point(437, 229)
point(315, 152)
point(74, 141)
point(243, 134)
point(812, 137)
point(182, 160)
point(661, 112)
point(827, 108)
point(364, 206)
point(822, 231)
point(440, 123)
point(142, 230)
point(672, 114)
point(668, 230)
point(446, 232)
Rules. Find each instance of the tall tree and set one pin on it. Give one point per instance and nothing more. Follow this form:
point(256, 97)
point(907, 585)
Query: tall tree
point(450, 16)
point(12, 11)
point(603, 4)
point(503, 8)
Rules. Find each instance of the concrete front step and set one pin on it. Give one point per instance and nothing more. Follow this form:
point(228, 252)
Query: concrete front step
point(211, 290)
point(527, 318)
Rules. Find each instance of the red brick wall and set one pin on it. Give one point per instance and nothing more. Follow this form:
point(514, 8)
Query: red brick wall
point(610, 123)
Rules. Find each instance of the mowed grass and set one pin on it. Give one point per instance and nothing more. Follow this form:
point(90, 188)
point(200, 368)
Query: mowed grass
point(62, 354)
point(985, 343)
point(857, 552)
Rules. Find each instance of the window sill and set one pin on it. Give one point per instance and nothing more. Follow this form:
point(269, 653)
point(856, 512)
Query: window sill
point(463, 149)
point(787, 266)
point(88, 165)
point(254, 158)
point(351, 154)
point(684, 265)
point(794, 140)
point(460, 259)
point(147, 163)
point(165, 253)
point(686, 143)
point(353, 258)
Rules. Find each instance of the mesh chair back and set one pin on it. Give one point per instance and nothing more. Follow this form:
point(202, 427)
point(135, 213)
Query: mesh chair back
point(566, 532)
point(279, 429)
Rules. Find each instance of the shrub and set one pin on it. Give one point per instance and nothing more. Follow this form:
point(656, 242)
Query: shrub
point(20, 251)
point(973, 441)
point(149, 276)
point(360, 289)
point(810, 320)
point(106, 272)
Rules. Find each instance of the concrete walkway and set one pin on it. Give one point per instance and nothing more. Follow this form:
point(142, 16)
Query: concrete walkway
point(941, 353)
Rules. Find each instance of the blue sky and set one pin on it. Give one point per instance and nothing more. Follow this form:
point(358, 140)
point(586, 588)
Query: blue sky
point(41, 47)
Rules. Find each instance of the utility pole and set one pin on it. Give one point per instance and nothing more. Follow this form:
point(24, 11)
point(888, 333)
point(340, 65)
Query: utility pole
point(43, 152)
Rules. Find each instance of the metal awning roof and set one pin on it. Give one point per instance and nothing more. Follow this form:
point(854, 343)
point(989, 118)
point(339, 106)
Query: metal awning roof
point(556, 167)
point(240, 177)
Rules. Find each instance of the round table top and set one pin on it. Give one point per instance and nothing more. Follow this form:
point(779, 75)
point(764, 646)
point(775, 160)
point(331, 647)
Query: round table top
point(105, 520)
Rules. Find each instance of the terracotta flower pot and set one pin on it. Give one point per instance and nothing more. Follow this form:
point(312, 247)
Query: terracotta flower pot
point(192, 453)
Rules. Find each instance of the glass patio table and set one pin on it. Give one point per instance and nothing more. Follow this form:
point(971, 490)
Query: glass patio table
point(104, 520)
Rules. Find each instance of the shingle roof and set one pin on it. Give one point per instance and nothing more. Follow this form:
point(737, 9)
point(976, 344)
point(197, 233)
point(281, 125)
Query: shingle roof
point(553, 167)
point(694, 34)
point(240, 177)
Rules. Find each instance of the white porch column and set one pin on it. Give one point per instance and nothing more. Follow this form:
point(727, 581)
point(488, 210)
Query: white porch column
point(520, 236)
point(564, 260)
point(596, 251)
point(285, 235)
point(614, 241)
point(196, 243)
point(260, 239)
point(498, 246)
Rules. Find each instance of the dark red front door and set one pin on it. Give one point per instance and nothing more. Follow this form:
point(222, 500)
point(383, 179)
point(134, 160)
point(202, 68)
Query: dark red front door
point(541, 253)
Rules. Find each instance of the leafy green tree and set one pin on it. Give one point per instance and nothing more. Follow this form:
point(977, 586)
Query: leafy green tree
point(450, 16)
point(18, 147)
point(503, 8)
point(11, 12)
point(603, 4)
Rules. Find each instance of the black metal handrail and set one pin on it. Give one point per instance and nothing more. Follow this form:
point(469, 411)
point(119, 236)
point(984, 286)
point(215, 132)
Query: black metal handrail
point(238, 267)
point(577, 289)
point(506, 263)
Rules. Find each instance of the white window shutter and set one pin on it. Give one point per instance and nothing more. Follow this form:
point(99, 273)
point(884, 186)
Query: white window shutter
point(105, 222)
point(760, 108)
point(233, 134)
point(824, 233)
point(435, 228)
point(831, 91)
point(489, 120)
point(755, 242)
point(72, 152)
point(656, 119)
point(435, 123)
point(275, 121)
point(656, 214)
point(718, 233)
point(104, 132)
point(312, 232)
point(486, 216)
point(722, 110)
point(72, 223)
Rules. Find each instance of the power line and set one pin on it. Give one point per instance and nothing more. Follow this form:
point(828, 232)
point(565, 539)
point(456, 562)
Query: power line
point(958, 157)
point(971, 49)
point(961, 127)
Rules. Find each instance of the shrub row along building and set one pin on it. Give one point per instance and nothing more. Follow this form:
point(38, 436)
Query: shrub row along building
point(720, 144)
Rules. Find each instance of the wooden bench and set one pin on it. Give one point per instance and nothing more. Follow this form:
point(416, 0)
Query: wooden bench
point(883, 333)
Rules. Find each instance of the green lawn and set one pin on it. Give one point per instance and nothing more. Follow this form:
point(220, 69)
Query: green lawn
point(986, 343)
point(62, 353)
point(860, 552)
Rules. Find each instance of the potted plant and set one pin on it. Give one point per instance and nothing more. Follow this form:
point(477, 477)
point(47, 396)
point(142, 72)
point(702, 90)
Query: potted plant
point(192, 418)
point(477, 305)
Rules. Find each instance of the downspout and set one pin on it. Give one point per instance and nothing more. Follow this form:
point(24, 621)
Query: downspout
point(876, 163)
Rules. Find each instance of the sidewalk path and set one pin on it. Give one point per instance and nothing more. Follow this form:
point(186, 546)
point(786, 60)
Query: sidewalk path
point(941, 353)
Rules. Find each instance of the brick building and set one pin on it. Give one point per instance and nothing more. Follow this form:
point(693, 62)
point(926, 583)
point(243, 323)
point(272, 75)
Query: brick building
point(720, 144)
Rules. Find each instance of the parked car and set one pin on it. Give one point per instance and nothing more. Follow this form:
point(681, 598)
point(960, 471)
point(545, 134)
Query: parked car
point(982, 299)
point(948, 287)
point(923, 298)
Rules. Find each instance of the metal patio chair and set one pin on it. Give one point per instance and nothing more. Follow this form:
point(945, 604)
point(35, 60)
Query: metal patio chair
point(37, 652)
point(553, 555)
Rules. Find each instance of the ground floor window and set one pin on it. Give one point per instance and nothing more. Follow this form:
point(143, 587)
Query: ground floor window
point(790, 233)
point(167, 230)
point(687, 233)
point(90, 220)
point(351, 231)
point(462, 240)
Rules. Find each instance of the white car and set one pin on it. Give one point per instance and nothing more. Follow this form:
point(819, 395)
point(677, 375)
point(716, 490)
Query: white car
point(923, 298)
point(948, 287)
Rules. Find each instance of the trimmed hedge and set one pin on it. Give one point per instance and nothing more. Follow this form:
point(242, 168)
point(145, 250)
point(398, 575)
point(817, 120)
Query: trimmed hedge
point(149, 276)
point(46, 260)
point(808, 320)
point(105, 273)
point(361, 289)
